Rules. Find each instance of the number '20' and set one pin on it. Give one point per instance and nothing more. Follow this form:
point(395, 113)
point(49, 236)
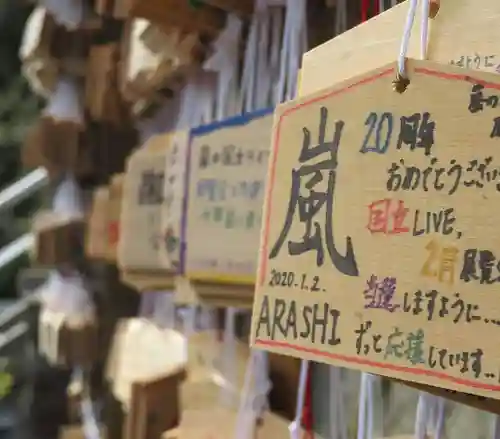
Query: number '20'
point(379, 133)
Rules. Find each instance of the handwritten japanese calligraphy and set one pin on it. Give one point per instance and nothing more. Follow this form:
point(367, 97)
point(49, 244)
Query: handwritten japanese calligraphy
point(318, 236)
point(389, 200)
point(223, 200)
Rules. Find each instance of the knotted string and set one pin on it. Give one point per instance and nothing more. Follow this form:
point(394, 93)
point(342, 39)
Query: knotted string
point(405, 42)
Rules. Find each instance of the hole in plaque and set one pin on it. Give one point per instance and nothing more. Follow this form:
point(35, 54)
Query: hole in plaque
point(400, 83)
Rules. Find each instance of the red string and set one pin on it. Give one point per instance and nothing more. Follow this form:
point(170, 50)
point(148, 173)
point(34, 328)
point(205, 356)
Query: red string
point(307, 411)
point(365, 9)
point(365, 5)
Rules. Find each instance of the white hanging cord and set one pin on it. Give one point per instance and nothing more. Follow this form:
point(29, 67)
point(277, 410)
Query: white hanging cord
point(263, 80)
point(67, 201)
point(341, 16)
point(365, 409)
point(294, 45)
point(229, 366)
point(338, 424)
point(421, 417)
point(245, 421)
point(430, 416)
point(333, 399)
point(295, 426)
point(371, 400)
point(261, 61)
point(253, 402)
point(424, 34)
point(90, 425)
point(145, 304)
point(225, 61)
point(189, 320)
point(197, 100)
point(69, 13)
point(208, 319)
point(164, 310)
point(496, 427)
point(250, 60)
point(405, 42)
point(162, 121)
point(262, 384)
point(362, 406)
point(65, 102)
point(439, 427)
point(277, 22)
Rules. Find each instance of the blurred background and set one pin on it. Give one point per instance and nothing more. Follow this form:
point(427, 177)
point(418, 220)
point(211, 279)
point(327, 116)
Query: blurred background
point(18, 109)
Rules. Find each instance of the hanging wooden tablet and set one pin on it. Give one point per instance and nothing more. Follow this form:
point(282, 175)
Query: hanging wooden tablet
point(462, 32)
point(141, 255)
point(102, 95)
point(68, 341)
point(39, 67)
point(153, 60)
point(145, 367)
point(223, 193)
point(378, 245)
point(154, 407)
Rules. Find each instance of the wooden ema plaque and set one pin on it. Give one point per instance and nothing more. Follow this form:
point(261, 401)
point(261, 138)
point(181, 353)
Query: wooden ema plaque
point(224, 192)
point(378, 248)
point(461, 32)
point(141, 250)
point(226, 165)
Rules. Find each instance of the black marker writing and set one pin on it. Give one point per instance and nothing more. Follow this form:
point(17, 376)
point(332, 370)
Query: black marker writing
point(317, 234)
